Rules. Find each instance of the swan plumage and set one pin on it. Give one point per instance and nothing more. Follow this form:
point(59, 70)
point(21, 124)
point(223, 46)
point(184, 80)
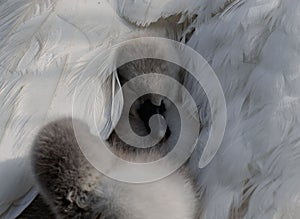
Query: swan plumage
point(253, 47)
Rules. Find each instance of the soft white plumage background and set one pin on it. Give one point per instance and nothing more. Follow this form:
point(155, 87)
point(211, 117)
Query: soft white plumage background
point(252, 45)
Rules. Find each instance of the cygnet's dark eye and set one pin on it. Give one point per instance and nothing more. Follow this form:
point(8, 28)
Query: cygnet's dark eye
point(148, 109)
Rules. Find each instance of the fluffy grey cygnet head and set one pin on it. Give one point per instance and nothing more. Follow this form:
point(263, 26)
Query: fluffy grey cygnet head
point(73, 188)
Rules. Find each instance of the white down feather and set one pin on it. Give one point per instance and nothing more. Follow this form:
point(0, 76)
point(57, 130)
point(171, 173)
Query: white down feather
point(253, 46)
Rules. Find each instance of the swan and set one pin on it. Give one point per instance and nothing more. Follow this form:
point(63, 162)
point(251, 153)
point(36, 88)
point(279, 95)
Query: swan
point(252, 46)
